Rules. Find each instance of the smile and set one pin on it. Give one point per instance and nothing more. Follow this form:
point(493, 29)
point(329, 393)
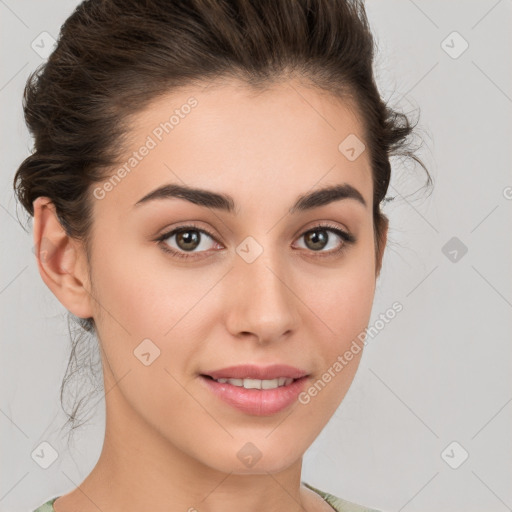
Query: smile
point(256, 397)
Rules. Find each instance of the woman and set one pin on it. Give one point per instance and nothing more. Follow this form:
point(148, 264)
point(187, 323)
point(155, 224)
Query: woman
point(206, 188)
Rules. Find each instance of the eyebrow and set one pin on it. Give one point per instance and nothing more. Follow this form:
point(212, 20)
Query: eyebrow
point(224, 202)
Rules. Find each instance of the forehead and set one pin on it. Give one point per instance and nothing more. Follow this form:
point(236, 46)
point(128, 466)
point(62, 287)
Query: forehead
point(252, 144)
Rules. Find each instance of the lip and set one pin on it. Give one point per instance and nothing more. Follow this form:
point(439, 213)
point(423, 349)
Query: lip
point(252, 371)
point(256, 402)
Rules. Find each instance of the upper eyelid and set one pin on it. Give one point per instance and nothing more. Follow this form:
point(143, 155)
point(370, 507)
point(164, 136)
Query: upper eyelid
point(184, 227)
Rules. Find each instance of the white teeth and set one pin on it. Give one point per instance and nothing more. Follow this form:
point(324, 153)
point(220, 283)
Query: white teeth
point(257, 383)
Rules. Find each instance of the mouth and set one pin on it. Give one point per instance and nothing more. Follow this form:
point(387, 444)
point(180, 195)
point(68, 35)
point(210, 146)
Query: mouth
point(256, 397)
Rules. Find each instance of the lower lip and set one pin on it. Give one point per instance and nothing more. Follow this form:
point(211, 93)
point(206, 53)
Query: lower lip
point(258, 402)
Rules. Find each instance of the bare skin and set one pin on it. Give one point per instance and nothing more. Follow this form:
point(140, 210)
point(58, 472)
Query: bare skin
point(170, 444)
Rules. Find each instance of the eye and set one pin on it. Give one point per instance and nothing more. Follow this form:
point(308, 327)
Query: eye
point(318, 238)
point(187, 239)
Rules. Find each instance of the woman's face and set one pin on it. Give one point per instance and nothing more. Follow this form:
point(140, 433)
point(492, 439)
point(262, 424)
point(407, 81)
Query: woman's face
point(254, 288)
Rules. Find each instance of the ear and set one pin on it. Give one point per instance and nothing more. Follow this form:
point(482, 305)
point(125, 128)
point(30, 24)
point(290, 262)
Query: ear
point(61, 260)
point(382, 244)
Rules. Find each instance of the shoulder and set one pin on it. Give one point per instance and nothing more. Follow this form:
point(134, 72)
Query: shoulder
point(46, 507)
point(340, 504)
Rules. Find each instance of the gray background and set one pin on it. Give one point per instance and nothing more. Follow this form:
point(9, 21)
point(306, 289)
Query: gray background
point(439, 372)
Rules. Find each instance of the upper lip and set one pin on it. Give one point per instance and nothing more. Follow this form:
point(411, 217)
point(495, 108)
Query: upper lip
point(251, 371)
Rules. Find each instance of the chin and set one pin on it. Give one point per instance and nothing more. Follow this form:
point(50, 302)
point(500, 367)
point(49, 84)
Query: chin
point(267, 455)
point(252, 455)
point(273, 465)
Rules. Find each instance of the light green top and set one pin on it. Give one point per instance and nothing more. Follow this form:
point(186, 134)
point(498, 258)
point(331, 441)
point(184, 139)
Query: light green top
point(339, 504)
point(336, 503)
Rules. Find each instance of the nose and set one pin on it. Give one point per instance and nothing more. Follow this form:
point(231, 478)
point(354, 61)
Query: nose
point(262, 302)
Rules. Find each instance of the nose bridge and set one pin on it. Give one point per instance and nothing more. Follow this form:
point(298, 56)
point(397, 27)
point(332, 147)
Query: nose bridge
point(262, 301)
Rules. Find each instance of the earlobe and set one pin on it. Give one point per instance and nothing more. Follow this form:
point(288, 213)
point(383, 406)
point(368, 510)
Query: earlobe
point(60, 261)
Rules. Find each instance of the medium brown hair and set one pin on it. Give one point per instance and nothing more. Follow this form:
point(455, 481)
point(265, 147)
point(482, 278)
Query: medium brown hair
point(114, 57)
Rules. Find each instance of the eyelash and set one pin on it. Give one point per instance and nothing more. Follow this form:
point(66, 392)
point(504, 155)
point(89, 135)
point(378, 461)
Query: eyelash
point(347, 238)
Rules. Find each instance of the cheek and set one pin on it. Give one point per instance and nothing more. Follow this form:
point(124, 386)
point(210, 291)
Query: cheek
point(343, 306)
point(141, 293)
point(345, 299)
point(141, 298)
